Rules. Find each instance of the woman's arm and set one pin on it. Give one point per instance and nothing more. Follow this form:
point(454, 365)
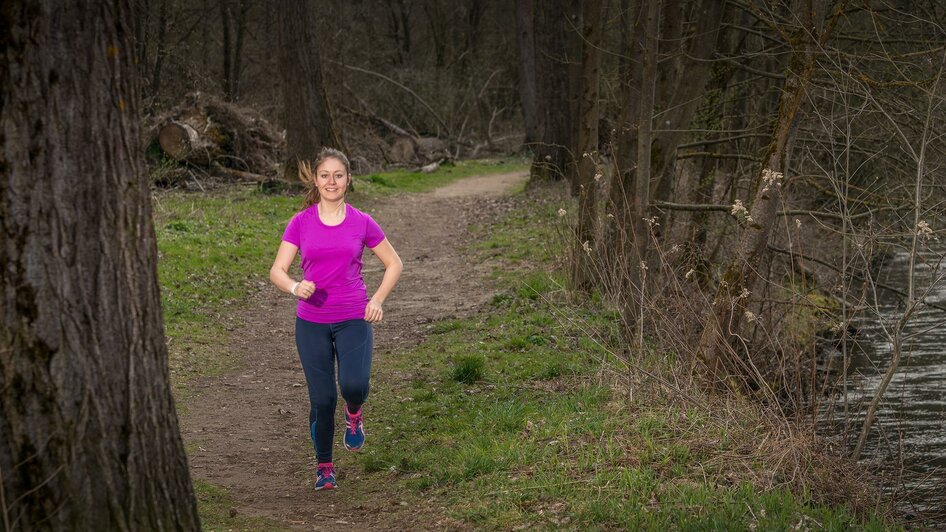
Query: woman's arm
point(392, 272)
point(279, 273)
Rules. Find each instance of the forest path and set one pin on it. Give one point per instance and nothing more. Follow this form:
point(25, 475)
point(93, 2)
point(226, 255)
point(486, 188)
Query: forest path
point(247, 430)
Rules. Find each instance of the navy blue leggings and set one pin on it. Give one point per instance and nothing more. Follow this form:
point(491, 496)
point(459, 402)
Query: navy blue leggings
point(319, 345)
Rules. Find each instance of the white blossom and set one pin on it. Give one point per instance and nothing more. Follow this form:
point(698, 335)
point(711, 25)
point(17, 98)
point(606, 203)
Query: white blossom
point(689, 274)
point(750, 317)
point(562, 212)
point(738, 209)
point(586, 246)
point(770, 178)
point(923, 229)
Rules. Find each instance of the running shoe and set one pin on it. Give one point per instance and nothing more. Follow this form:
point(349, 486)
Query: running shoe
point(325, 478)
point(354, 429)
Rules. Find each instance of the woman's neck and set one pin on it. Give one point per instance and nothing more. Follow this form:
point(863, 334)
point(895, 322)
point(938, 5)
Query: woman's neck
point(331, 208)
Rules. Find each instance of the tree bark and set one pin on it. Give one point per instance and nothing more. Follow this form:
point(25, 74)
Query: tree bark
point(641, 231)
point(237, 71)
point(160, 54)
point(525, 21)
point(308, 116)
point(89, 437)
point(587, 146)
point(619, 242)
point(552, 155)
point(226, 18)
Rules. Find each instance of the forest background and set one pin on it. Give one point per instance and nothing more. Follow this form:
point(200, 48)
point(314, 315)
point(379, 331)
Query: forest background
point(739, 176)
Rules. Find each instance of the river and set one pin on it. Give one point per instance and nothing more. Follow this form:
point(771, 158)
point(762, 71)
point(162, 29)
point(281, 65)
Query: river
point(913, 411)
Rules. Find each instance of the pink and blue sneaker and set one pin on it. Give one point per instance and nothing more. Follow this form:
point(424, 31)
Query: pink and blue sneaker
point(354, 429)
point(325, 478)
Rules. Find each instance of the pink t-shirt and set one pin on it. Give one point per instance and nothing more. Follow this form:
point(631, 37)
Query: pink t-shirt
point(331, 258)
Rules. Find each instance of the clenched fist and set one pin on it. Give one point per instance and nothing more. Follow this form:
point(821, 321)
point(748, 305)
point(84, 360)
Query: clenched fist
point(305, 289)
point(373, 312)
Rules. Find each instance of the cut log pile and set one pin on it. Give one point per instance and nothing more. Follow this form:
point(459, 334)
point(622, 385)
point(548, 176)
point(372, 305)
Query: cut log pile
point(206, 139)
point(204, 136)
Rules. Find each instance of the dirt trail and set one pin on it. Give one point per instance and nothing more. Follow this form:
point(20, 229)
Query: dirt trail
point(247, 430)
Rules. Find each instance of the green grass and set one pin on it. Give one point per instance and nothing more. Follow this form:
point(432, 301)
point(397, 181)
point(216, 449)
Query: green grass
point(384, 183)
point(218, 512)
point(214, 252)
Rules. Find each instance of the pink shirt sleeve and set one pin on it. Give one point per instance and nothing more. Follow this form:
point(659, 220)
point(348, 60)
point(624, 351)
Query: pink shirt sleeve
point(373, 233)
point(291, 234)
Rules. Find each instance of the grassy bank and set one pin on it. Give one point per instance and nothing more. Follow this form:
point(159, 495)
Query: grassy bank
point(516, 418)
point(521, 418)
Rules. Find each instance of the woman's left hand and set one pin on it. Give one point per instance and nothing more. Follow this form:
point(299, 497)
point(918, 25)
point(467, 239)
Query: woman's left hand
point(373, 312)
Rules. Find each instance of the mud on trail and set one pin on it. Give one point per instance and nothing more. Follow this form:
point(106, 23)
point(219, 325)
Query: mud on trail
point(247, 431)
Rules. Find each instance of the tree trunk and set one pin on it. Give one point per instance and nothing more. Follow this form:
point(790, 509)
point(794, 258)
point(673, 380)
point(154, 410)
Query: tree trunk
point(618, 240)
point(226, 18)
point(587, 146)
point(160, 54)
point(685, 92)
point(552, 155)
point(720, 346)
point(645, 136)
point(525, 18)
point(89, 437)
point(308, 117)
point(237, 70)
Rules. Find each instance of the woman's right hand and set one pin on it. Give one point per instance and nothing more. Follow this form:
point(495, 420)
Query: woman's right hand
point(305, 289)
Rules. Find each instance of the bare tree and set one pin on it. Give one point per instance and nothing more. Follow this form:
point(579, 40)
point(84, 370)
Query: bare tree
point(308, 116)
point(233, 17)
point(587, 141)
point(525, 38)
point(553, 154)
point(726, 321)
point(89, 438)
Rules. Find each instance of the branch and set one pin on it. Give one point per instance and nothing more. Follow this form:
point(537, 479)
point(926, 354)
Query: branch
point(401, 85)
point(886, 287)
point(710, 207)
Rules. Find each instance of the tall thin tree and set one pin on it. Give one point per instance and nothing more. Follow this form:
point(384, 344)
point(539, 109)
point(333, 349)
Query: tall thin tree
point(308, 116)
point(553, 153)
point(587, 141)
point(525, 38)
point(89, 437)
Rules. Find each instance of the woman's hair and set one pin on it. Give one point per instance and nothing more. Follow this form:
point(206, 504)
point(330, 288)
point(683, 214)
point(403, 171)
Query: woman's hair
point(307, 175)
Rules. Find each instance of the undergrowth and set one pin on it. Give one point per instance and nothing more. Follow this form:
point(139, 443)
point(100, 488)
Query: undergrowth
point(522, 417)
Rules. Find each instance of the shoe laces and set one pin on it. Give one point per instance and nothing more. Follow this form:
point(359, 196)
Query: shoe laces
point(354, 420)
point(326, 470)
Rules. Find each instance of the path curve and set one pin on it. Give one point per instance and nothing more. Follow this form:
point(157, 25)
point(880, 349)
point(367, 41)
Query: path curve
point(246, 431)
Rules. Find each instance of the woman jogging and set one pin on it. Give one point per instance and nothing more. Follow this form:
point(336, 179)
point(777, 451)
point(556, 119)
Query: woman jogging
point(334, 314)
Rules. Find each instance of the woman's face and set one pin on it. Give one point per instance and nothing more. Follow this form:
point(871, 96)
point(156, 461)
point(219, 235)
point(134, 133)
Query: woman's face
point(331, 178)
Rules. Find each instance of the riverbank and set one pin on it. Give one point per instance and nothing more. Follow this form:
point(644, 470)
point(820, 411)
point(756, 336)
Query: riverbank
point(506, 411)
